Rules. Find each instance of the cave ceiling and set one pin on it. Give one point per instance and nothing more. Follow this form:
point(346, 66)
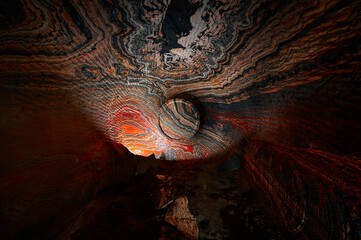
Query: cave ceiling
point(255, 68)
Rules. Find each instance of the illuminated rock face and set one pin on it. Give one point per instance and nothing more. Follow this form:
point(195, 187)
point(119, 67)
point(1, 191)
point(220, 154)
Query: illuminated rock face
point(277, 83)
point(181, 217)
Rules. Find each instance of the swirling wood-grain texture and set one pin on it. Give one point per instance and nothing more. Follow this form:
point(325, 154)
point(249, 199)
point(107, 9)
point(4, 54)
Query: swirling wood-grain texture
point(278, 82)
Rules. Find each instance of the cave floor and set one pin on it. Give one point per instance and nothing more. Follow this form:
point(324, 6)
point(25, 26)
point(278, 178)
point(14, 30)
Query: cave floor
point(222, 207)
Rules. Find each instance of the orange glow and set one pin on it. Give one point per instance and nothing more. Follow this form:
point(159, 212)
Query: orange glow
point(129, 129)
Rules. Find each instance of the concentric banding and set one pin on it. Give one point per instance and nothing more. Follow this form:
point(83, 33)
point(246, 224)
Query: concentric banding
point(179, 119)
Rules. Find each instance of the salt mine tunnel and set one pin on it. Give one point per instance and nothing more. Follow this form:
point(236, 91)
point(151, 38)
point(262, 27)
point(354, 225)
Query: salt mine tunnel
point(180, 119)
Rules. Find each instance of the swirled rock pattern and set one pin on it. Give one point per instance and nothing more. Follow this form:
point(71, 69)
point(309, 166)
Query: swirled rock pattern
point(276, 82)
point(179, 119)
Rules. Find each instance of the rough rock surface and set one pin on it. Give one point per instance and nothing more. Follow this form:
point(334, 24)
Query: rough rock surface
point(180, 217)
